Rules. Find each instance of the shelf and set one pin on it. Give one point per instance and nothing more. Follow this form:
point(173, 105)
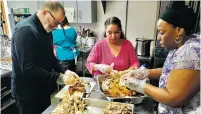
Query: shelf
point(22, 14)
point(7, 104)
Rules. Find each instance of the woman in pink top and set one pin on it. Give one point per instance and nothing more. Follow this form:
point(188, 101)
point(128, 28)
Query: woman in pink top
point(113, 52)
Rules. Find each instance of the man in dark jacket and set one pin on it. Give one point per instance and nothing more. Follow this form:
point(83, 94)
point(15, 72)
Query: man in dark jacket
point(34, 64)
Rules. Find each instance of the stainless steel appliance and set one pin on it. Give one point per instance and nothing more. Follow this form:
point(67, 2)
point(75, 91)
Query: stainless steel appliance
point(143, 46)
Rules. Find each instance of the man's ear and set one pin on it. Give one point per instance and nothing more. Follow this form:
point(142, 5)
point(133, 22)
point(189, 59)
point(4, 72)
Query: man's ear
point(43, 12)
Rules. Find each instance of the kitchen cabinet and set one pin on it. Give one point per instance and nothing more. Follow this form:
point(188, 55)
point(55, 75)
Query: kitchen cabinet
point(32, 5)
point(71, 4)
point(84, 11)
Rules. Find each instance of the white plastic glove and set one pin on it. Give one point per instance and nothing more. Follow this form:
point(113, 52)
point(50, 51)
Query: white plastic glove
point(133, 83)
point(140, 73)
point(68, 78)
point(105, 69)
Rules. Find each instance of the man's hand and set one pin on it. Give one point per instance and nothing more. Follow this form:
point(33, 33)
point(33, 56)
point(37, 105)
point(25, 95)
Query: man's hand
point(68, 78)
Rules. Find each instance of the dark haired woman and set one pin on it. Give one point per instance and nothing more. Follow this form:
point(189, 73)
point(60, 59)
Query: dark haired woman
point(64, 39)
point(113, 49)
point(179, 85)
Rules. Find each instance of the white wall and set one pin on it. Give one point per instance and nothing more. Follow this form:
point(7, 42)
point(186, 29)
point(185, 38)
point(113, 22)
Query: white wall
point(113, 8)
point(141, 20)
point(142, 17)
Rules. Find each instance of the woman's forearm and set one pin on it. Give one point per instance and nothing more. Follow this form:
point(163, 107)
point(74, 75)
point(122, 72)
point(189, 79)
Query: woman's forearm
point(160, 95)
point(155, 73)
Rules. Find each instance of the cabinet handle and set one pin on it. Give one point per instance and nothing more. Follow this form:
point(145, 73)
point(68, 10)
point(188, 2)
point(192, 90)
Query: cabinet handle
point(80, 14)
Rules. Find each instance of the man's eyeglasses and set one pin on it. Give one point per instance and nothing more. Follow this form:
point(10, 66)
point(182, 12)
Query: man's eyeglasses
point(57, 22)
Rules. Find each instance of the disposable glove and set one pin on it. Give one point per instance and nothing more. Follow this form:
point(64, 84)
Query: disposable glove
point(68, 78)
point(105, 69)
point(140, 73)
point(134, 83)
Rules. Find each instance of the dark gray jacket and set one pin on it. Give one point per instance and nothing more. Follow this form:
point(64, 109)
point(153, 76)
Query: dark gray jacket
point(33, 60)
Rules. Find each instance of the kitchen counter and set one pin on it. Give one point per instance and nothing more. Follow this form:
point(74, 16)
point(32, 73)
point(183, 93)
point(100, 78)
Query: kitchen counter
point(146, 107)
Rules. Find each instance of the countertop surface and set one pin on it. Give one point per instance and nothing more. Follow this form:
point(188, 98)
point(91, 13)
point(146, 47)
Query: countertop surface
point(146, 107)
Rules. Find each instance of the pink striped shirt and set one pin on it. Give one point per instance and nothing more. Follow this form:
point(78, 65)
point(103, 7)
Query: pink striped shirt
point(101, 54)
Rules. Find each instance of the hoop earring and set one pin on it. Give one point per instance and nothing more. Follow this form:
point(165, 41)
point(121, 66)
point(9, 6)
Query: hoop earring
point(177, 41)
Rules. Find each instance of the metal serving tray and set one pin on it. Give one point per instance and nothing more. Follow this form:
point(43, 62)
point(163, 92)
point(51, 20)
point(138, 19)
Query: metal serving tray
point(95, 106)
point(129, 99)
point(64, 90)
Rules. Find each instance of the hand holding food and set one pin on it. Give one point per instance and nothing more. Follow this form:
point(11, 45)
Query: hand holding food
point(138, 73)
point(112, 88)
point(133, 83)
point(69, 78)
point(105, 69)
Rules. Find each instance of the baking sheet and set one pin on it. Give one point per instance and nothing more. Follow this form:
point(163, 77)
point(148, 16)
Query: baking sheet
point(64, 90)
point(95, 106)
point(94, 110)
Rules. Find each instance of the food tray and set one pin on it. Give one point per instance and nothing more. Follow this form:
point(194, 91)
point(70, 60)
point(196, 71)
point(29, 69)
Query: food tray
point(64, 90)
point(130, 99)
point(95, 106)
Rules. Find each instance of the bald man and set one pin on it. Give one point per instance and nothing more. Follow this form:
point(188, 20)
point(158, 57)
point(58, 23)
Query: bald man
point(35, 67)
